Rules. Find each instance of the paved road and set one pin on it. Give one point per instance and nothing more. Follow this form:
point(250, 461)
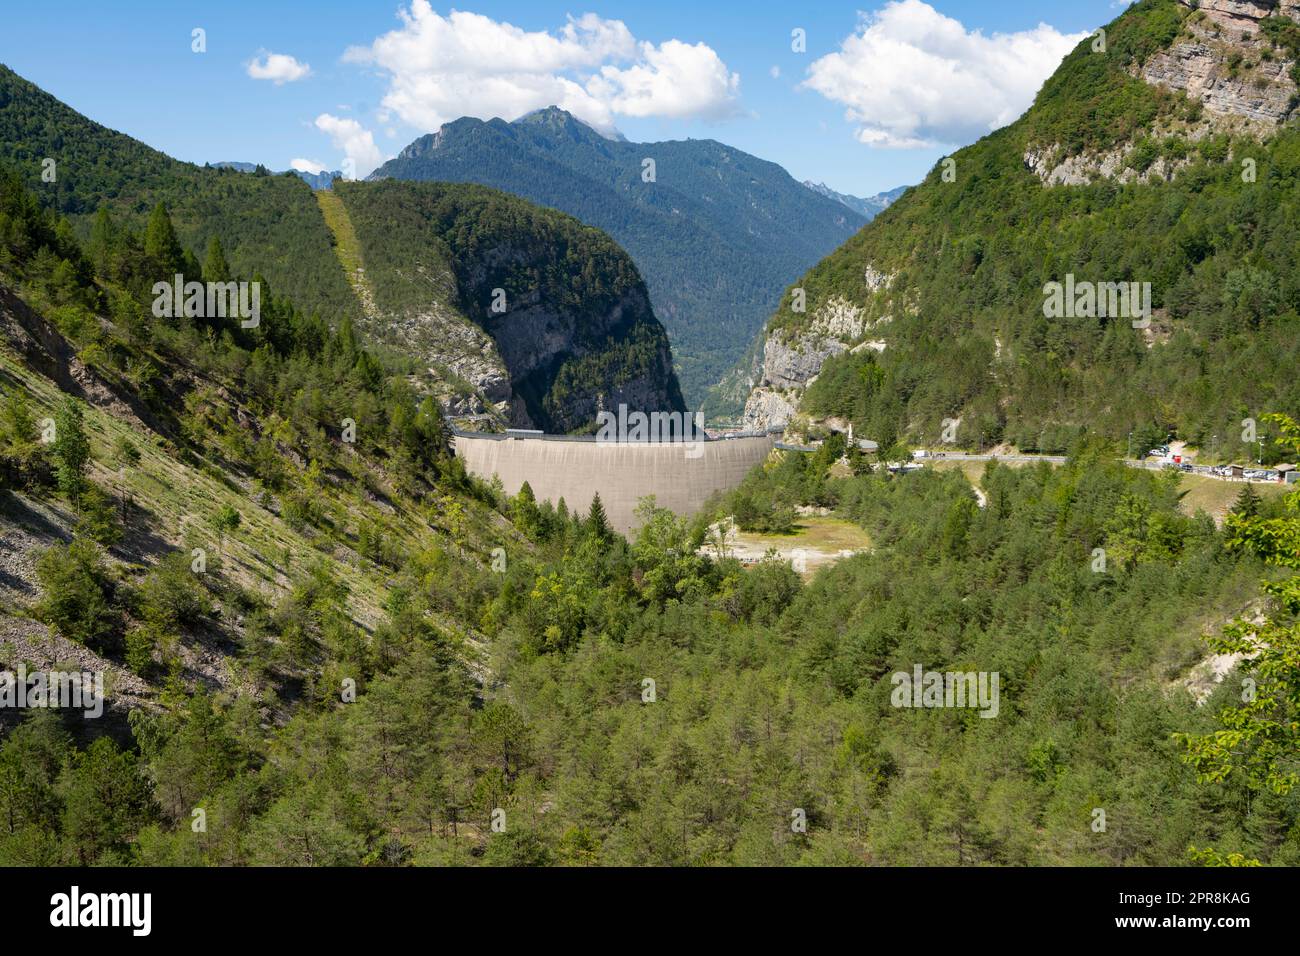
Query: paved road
point(1149, 464)
point(963, 456)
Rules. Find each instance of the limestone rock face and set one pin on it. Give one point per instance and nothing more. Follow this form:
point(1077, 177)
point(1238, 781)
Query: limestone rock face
point(791, 362)
point(498, 361)
point(470, 354)
point(1243, 16)
point(766, 408)
point(515, 315)
point(1084, 168)
point(466, 371)
point(1224, 61)
point(1211, 64)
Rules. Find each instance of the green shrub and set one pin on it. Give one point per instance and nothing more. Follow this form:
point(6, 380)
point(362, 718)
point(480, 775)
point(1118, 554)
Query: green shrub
point(97, 516)
point(76, 602)
point(171, 596)
point(140, 644)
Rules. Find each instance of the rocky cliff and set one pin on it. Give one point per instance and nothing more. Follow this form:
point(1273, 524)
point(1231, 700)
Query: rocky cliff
point(793, 355)
point(1227, 61)
point(522, 314)
point(1234, 59)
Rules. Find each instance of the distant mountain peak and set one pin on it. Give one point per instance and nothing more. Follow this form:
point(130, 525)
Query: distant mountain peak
point(555, 117)
point(547, 114)
point(870, 206)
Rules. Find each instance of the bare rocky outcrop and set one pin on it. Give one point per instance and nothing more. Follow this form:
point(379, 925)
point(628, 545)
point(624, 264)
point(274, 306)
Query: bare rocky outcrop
point(1084, 168)
point(509, 355)
point(469, 354)
point(1228, 63)
point(792, 361)
point(515, 316)
point(563, 360)
point(1225, 62)
point(46, 351)
point(788, 367)
point(27, 528)
point(768, 408)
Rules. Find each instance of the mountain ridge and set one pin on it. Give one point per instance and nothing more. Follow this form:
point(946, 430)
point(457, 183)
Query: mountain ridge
point(714, 231)
point(322, 180)
point(866, 206)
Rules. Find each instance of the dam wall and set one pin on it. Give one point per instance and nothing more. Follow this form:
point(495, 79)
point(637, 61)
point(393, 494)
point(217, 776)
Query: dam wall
point(681, 475)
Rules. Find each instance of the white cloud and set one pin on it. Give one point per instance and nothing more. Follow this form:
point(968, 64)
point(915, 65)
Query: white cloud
point(356, 142)
point(465, 64)
point(280, 68)
point(912, 77)
point(675, 80)
point(307, 166)
point(775, 72)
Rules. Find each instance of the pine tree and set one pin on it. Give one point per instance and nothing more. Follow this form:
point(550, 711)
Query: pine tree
point(105, 800)
point(525, 509)
point(597, 523)
point(17, 424)
point(1247, 503)
point(71, 449)
point(103, 236)
point(344, 346)
point(161, 247)
point(564, 522)
point(428, 425)
point(215, 267)
point(225, 522)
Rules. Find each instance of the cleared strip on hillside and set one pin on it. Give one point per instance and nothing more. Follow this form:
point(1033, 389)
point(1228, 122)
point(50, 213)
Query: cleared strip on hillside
point(347, 247)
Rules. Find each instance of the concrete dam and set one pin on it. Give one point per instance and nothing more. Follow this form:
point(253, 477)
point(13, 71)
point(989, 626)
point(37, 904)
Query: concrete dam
point(680, 475)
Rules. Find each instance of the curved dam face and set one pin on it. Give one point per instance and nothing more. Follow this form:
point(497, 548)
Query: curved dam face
point(681, 475)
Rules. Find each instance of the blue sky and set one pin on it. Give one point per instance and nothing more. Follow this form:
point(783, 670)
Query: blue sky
point(881, 91)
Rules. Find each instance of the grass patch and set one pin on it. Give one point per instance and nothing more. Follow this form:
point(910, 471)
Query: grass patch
point(814, 533)
point(1215, 496)
point(973, 470)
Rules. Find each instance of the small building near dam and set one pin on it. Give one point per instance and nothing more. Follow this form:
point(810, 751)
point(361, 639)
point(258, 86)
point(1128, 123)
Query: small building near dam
point(681, 475)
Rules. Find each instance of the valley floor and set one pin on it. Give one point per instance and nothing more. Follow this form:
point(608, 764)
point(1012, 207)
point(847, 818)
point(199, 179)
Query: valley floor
point(816, 541)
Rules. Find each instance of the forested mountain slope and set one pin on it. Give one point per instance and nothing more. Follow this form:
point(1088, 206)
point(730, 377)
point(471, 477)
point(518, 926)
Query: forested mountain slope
point(716, 234)
point(563, 341)
point(322, 180)
point(334, 648)
point(268, 224)
point(1166, 154)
